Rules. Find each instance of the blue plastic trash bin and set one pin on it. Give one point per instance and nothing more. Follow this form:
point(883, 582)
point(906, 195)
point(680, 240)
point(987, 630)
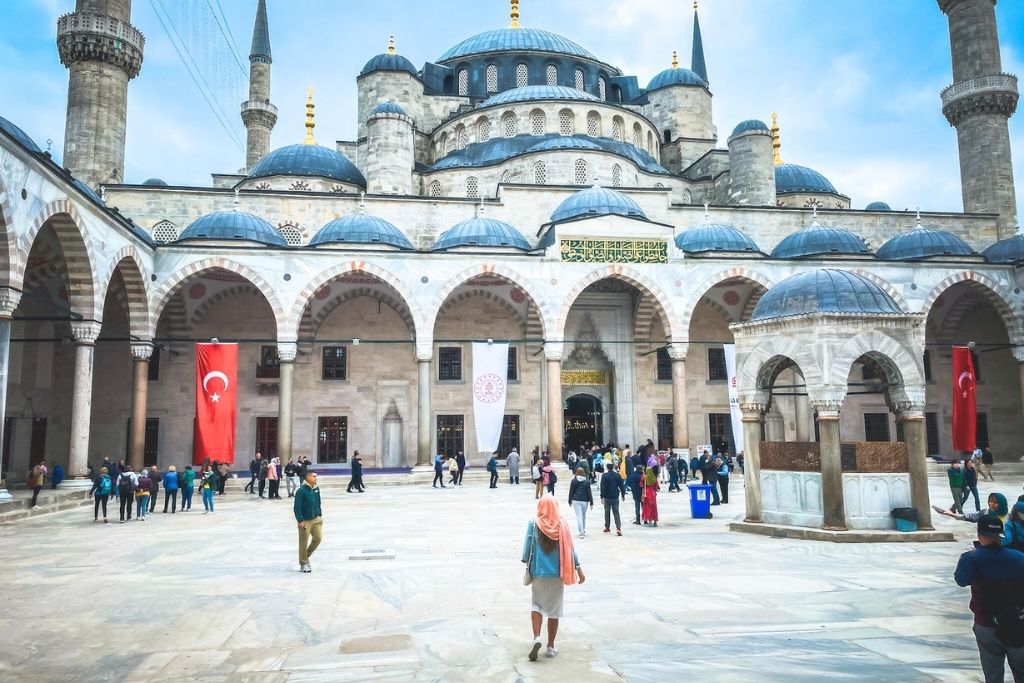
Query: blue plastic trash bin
point(700, 501)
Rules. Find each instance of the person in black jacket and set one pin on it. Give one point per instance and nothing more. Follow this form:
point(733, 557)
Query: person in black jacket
point(710, 472)
point(633, 483)
point(492, 467)
point(357, 474)
point(580, 497)
point(254, 471)
point(460, 460)
point(612, 487)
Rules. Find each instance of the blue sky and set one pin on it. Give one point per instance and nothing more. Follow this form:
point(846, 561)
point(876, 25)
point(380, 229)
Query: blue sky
point(856, 84)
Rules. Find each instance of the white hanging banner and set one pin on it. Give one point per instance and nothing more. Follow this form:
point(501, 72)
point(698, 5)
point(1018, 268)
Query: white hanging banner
point(490, 370)
point(734, 397)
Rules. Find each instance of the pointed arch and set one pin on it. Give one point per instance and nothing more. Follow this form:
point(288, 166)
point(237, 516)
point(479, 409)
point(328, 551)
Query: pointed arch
point(128, 262)
point(999, 296)
point(10, 256)
point(736, 273)
point(894, 357)
point(494, 270)
point(379, 293)
point(758, 367)
point(66, 222)
point(649, 287)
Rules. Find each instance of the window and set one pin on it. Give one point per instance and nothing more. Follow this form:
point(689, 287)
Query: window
point(931, 425)
point(928, 367)
point(668, 135)
point(509, 435)
point(687, 197)
point(552, 74)
point(720, 431)
point(450, 435)
point(602, 89)
point(616, 175)
point(594, 124)
point(335, 363)
point(512, 374)
point(483, 130)
point(664, 431)
point(981, 434)
point(492, 78)
point(461, 137)
point(165, 231)
point(876, 426)
point(508, 125)
point(150, 448)
point(578, 76)
point(449, 364)
point(664, 365)
point(154, 365)
point(268, 367)
point(435, 189)
point(637, 135)
point(442, 145)
point(617, 130)
point(976, 360)
point(332, 439)
point(716, 366)
point(266, 436)
point(869, 372)
point(449, 144)
point(650, 142)
point(540, 173)
point(565, 122)
point(522, 76)
point(463, 82)
point(472, 187)
point(580, 174)
point(291, 234)
point(506, 176)
point(537, 123)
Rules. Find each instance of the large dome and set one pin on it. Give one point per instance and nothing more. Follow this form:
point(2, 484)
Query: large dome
point(794, 178)
point(233, 225)
point(308, 160)
point(531, 93)
point(597, 201)
point(515, 40)
point(360, 229)
point(820, 240)
point(481, 232)
point(675, 76)
point(715, 237)
point(922, 243)
point(389, 62)
point(824, 291)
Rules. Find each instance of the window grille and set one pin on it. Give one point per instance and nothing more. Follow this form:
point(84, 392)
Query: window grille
point(565, 122)
point(449, 363)
point(463, 82)
point(492, 78)
point(291, 234)
point(506, 177)
point(521, 76)
point(540, 173)
point(593, 124)
point(435, 189)
point(461, 138)
point(537, 122)
point(664, 366)
point(617, 131)
point(165, 231)
point(580, 85)
point(508, 124)
point(580, 175)
point(552, 74)
point(472, 187)
point(335, 363)
point(602, 89)
point(616, 176)
point(483, 130)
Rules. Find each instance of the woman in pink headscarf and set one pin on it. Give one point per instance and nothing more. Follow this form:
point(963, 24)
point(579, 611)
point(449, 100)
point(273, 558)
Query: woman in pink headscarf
point(553, 564)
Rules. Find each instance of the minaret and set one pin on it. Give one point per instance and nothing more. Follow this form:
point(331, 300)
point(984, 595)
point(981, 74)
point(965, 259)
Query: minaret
point(697, 64)
point(258, 114)
point(979, 104)
point(102, 52)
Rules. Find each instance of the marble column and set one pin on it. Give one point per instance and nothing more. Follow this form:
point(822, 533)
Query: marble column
point(831, 466)
point(556, 416)
point(141, 353)
point(9, 300)
point(84, 333)
point(424, 363)
point(753, 405)
point(680, 421)
point(915, 435)
point(286, 353)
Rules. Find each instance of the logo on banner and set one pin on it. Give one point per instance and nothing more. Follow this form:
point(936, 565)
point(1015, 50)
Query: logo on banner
point(215, 374)
point(489, 388)
point(966, 383)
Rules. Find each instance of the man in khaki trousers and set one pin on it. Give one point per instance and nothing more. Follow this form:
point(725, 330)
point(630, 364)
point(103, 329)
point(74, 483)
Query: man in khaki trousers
point(310, 518)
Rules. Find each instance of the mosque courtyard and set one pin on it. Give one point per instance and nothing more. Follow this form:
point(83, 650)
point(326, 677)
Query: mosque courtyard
point(219, 598)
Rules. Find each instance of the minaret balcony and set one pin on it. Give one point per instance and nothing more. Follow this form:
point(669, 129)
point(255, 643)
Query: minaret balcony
point(259, 112)
point(996, 93)
point(92, 36)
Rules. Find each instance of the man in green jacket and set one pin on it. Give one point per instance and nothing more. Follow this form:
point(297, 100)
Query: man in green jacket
point(310, 518)
point(956, 486)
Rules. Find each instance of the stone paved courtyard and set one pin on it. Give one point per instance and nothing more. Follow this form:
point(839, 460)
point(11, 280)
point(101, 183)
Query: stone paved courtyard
point(199, 597)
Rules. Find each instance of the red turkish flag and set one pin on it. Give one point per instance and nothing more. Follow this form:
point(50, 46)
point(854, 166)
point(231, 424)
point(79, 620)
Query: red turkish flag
point(965, 410)
point(216, 390)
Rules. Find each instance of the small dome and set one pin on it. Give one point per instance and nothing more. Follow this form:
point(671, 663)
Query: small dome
point(19, 135)
point(820, 240)
point(793, 178)
point(597, 201)
point(481, 232)
point(878, 206)
point(515, 40)
point(387, 62)
point(387, 108)
point(233, 225)
point(360, 229)
point(308, 160)
point(676, 76)
point(749, 125)
point(531, 93)
point(824, 291)
point(154, 182)
point(714, 237)
point(922, 243)
point(1010, 250)
point(565, 142)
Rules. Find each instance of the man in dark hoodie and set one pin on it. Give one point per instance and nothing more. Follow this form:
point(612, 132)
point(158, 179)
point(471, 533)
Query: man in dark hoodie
point(612, 488)
point(633, 484)
point(357, 474)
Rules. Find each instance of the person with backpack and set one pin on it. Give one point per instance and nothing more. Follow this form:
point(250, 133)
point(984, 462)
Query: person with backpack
point(209, 486)
point(492, 467)
point(126, 486)
point(188, 487)
point(1013, 529)
point(142, 495)
point(548, 476)
point(723, 479)
point(101, 489)
point(171, 489)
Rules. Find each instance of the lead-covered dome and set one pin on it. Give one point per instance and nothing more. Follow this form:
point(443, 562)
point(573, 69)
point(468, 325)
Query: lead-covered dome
point(795, 178)
point(675, 76)
point(749, 125)
point(715, 237)
point(19, 135)
point(389, 62)
point(565, 142)
point(878, 206)
point(388, 108)
point(515, 40)
point(532, 93)
point(360, 229)
point(824, 291)
point(1010, 250)
point(921, 243)
point(481, 232)
point(233, 225)
point(308, 160)
point(820, 240)
point(597, 201)
point(154, 182)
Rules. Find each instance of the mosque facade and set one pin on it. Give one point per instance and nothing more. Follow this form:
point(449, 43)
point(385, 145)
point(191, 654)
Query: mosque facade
point(518, 188)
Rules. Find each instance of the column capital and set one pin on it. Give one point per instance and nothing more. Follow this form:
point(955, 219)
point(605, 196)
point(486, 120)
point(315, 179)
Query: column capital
point(1018, 353)
point(85, 331)
point(908, 402)
point(9, 300)
point(424, 350)
point(754, 403)
point(142, 350)
point(827, 409)
point(287, 351)
point(553, 350)
point(678, 350)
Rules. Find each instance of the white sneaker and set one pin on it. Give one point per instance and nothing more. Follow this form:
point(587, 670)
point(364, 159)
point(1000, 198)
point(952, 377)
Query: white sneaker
point(537, 644)
point(305, 568)
point(552, 652)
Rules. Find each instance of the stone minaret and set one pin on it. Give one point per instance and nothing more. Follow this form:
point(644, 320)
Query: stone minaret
point(102, 52)
point(979, 103)
point(258, 114)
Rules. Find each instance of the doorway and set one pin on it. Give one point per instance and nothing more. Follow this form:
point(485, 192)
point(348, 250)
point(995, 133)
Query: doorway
point(584, 421)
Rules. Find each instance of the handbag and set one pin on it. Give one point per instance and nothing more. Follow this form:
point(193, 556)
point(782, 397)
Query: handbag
point(528, 575)
point(1009, 626)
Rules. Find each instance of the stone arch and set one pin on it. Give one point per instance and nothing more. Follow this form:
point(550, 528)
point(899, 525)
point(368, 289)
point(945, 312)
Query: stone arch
point(67, 224)
point(759, 366)
point(734, 273)
point(379, 294)
point(127, 262)
point(9, 253)
point(246, 289)
point(175, 280)
point(999, 296)
point(645, 284)
point(902, 365)
point(491, 269)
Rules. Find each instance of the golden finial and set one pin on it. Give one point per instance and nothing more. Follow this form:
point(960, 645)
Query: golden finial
point(776, 141)
point(310, 122)
point(675, 59)
point(391, 45)
point(694, 5)
point(514, 14)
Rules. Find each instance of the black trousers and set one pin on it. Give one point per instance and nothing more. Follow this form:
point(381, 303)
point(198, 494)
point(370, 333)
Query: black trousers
point(220, 485)
point(152, 500)
point(275, 484)
point(263, 486)
point(438, 478)
point(356, 483)
point(101, 501)
point(636, 505)
point(513, 478)
point(127, 503)
point(723, 484)
point(35, 495)
point(494, 480)
point(462, 471)
point(551, 489)
point(251, 486)
point(171, 496)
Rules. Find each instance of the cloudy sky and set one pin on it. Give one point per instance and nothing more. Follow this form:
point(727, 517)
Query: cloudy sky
point(856, 84)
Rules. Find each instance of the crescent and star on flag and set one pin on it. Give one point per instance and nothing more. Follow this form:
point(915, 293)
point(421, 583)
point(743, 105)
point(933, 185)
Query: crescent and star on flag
point(965, 375)
point(215, 374)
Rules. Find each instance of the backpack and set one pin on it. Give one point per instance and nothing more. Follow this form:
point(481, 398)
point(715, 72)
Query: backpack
point(1016, 537)
point(552, 477)
point(125, 484)
point(104, 485)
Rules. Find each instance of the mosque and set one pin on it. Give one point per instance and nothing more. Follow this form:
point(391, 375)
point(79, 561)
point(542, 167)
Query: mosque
point(516, 188)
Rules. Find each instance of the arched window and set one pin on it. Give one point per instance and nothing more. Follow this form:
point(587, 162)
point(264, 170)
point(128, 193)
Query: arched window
point(461, 137)
point(594, 124)
point(442, 145)
point(522, 77)
point(472, 187)
point(291, 234)
point(449, 144)
point(650, 142)
point(616, 176)
point(668, 135)
point(552, 74)
point(540, 173)
point(463, 82)
point(687, 197)
point(506, 176)
point(165, 231)
point(580, 175)
point(435, 189)
point(580, 84)
point(637, 135)
point(492, 78)
point(602, 89)
point(508, 125)
point(617, 129)
point(483, 130)
point(537, 122)
point(566, 125)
